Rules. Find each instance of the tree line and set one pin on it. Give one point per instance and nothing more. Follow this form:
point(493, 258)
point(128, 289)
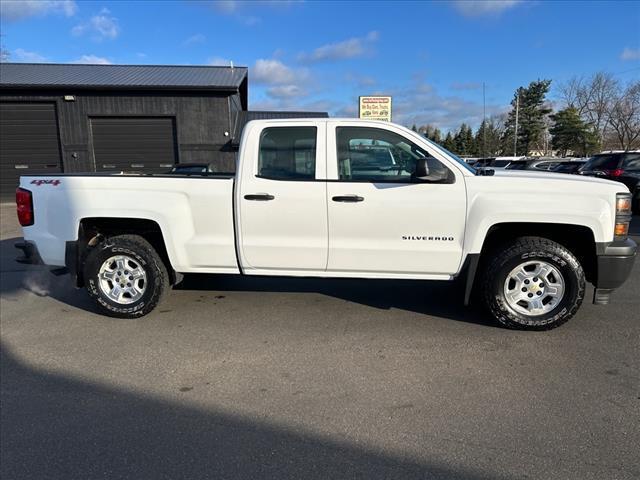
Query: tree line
point(594, 113)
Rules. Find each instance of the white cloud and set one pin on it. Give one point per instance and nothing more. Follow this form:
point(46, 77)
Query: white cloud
point(274, 72)
point(477, 8)
point(360, 81)
point(21, 55)
point(92, 60)
point(12, 10)
point(226, 7)
point(234, 9)
point(219, 62)
point(100, 26)
point(630, 54)
point(194, 39)
point(286, 91)
point(351, 48)
point(466, 86)
point(420, 103)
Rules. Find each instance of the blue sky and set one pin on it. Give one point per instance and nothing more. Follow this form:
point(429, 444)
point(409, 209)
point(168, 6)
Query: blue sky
point(432, 57)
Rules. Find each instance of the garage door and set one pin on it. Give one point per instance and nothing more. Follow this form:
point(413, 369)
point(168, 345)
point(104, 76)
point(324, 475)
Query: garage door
point(29, 143)
point(133, 144)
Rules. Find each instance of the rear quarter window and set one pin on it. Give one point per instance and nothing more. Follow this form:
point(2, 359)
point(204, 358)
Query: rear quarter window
point(632, 162)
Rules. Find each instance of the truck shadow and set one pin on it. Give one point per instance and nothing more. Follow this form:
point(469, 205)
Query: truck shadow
point(56, 426)
point(441, 299)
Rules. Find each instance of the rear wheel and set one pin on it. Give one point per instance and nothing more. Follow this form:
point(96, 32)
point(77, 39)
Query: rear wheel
point(125, 276)
point(533, 283)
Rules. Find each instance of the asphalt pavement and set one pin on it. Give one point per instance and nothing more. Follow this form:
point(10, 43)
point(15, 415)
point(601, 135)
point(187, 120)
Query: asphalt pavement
point(310, 379)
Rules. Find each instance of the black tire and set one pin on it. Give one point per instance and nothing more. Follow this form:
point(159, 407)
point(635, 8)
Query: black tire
point(525, 250)
point(156, 281)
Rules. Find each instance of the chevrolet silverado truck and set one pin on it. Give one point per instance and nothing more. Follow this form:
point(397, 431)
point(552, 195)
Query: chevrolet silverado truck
point(337, 198)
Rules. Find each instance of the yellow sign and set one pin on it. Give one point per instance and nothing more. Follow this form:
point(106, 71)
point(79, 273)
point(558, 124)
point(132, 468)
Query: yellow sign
point(375, 108)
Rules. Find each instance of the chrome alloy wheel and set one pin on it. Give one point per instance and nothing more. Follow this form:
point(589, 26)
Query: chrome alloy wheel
point(122, 279)
point(534, 288)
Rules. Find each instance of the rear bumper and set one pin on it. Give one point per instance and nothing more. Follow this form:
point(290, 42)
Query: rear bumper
point(30, 254)
point(614, 262)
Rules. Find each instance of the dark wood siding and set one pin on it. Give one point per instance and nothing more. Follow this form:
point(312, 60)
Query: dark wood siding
point(140, 144)
point(29, 143)
point(201, 120)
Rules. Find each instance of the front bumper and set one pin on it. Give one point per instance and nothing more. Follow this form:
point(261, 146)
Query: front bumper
point(614, 262)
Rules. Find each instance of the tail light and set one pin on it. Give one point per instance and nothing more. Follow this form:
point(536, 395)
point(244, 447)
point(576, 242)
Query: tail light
point(24, 203)
point(618, 172)
point(623, 216)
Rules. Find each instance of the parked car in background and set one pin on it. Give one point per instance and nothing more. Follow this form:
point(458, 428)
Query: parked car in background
point(623, 167)
point(540, 163)
point(569, 167)
point(191, 169)
point(497, 163)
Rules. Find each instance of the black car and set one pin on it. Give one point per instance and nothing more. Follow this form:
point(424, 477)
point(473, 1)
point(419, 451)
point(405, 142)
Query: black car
point(491, 162)
point(623, 167)
point(535, 164)
point(568, 167)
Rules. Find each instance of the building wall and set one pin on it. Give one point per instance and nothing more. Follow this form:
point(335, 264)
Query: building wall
point(201, 119)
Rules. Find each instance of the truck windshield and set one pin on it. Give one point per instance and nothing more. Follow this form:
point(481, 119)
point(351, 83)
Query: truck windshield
point(452, 155)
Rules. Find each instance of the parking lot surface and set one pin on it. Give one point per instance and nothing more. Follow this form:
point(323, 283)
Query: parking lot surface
point(305, 378)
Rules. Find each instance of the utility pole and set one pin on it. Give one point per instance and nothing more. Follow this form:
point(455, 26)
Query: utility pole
point(484, 122)
point(515, 137)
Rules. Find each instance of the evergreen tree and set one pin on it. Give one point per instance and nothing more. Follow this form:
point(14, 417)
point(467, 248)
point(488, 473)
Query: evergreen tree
point(437, 135)
point(414, 128)
point(570, 132)
point(449, 142)
point(464, 142)
point(531, 115)
point(487, 139)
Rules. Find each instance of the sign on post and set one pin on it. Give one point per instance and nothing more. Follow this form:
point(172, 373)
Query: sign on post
point(375, 108)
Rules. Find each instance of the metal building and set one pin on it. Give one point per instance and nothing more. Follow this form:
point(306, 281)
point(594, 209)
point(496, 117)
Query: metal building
point(109, 118)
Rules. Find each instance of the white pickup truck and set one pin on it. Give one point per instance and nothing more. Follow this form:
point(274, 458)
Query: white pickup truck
point(337, 198)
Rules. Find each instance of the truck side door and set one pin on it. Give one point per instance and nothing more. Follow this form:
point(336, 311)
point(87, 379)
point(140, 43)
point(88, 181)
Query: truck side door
point(281, 207)
point(382, 220)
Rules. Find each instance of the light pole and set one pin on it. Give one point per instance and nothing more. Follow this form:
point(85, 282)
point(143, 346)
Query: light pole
point(515, 137)
point(484, 123)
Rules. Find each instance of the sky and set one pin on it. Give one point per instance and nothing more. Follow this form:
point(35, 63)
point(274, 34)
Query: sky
point(431, 57)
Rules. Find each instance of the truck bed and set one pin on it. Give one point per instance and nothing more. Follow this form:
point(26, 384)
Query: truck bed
point(194, 213)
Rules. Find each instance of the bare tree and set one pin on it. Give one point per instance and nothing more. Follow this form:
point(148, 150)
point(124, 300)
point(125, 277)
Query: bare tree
point(624, 117)
point(571, 93)
point(593, 98)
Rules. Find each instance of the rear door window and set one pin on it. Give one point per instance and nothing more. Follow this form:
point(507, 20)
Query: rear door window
point(287, 153)
point(602, 162)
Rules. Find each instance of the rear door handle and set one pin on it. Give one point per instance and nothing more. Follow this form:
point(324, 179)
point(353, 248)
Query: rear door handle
point(348, 198)
point(261, 197)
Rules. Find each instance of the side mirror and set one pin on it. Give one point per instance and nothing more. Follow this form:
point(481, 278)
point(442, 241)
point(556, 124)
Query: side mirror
point(424, 174)
point(422, 169)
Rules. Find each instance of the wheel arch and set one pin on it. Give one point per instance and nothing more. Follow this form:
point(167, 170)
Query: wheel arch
point(93, 230)
point(578, 239)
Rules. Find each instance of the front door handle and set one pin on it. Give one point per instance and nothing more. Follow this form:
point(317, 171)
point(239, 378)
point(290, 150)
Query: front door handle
point(261, 197)
point(348, 198)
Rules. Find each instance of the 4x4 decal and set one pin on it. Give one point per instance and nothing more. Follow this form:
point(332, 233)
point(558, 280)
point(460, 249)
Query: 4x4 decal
point(55, 183)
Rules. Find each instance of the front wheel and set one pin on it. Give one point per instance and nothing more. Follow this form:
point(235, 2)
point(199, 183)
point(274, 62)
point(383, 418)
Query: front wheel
point(125, 276)
point(533, 284)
